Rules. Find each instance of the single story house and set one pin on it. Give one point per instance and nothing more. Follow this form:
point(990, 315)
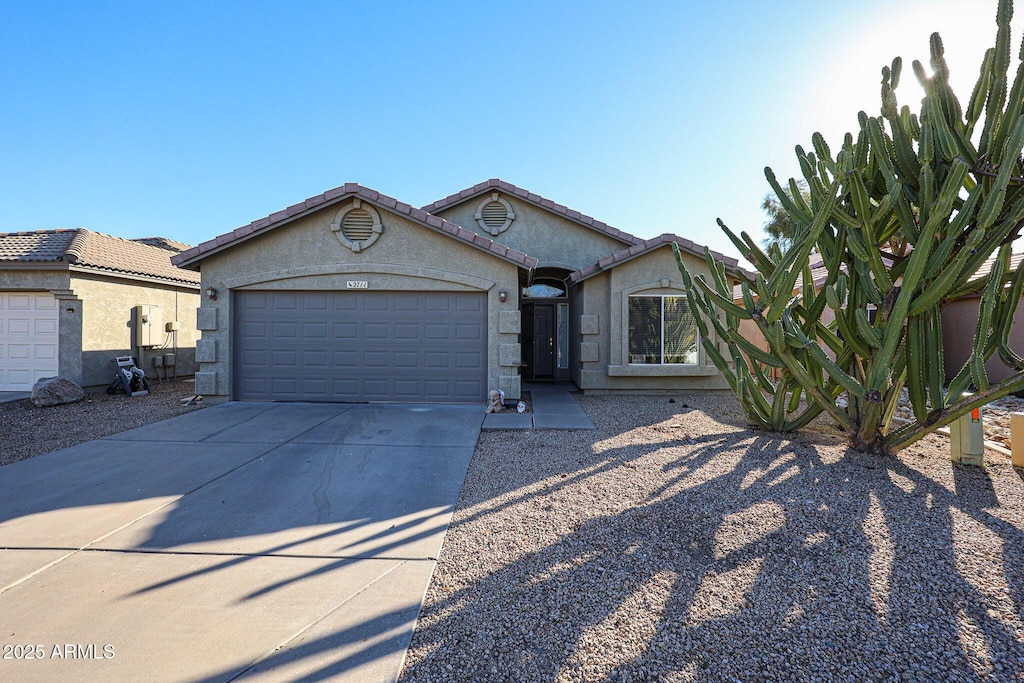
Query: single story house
point(70, 302)
point(352, 295)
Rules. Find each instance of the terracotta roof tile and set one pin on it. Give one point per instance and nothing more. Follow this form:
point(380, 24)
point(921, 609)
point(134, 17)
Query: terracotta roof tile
point(163, 243)
point(645, 247)
point(533, 198)
point(196, 254)
point(86, 248)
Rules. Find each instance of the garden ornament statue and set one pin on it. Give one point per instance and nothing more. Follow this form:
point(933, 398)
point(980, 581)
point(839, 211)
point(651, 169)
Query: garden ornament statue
point(494, 402)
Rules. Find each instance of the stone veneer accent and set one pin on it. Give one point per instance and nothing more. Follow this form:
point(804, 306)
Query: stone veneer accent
point(509, 355)
point(589, 324)
point(206, 318)
point(509, 322)
point(206, 383)
point(589, 352)
point(206, 350)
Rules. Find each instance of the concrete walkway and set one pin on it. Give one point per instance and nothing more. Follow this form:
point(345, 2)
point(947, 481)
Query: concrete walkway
point(248, 541)
point(553, 408)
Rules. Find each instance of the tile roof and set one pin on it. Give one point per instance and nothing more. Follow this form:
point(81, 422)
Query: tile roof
point(88, 249)
point(986, 267)
point(536, 200)
point(164, 243)
point(338, 194)
point(644, 247)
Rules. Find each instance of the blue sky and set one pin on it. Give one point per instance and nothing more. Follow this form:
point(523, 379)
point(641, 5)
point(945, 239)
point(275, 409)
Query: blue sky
point(190, 119)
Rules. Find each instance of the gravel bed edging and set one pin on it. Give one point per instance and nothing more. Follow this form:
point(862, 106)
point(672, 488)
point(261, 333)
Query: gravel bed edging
point(674, 544)
point(27, 431)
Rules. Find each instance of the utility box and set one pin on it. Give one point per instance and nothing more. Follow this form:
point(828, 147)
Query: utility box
point(967, 439)
point(1017, 439)
point(149, 326)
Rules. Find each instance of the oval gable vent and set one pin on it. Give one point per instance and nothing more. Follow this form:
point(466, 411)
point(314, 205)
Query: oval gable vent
point(357, 225)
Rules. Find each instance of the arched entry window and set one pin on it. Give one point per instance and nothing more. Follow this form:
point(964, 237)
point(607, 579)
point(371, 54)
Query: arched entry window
point(544, 290)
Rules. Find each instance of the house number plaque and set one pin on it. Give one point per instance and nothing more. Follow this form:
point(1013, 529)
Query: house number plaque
point(358, 284)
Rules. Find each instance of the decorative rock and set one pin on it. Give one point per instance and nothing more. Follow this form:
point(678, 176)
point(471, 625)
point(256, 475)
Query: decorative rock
point(53, 391)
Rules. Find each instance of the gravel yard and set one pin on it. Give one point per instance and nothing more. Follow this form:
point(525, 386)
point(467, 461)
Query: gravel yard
point(27, 431)
point(673, 544)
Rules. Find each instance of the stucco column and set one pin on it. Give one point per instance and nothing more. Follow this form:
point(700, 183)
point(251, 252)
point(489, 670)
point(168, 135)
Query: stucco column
point(69, 332)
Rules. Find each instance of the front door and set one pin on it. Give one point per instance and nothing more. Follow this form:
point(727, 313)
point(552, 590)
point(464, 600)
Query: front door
point(539, 340)
point(544, 341)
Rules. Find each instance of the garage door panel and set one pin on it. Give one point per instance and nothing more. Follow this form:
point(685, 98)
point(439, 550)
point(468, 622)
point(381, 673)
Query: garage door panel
point(29, 339)
point(388, 346)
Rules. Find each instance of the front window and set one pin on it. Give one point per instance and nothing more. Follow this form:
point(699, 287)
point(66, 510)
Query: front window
point(662, 331)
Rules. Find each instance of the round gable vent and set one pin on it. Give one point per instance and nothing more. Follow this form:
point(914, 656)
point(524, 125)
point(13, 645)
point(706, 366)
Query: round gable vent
point(357, 225)
point(494, 214)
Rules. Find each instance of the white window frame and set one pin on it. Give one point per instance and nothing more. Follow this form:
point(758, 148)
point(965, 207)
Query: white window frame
point(661, 298)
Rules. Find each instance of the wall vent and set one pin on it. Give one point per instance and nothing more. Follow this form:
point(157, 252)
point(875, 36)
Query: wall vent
point(357, 226)
point(494, 214)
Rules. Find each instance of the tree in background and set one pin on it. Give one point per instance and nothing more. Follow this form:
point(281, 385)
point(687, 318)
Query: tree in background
point(902, 217)
point(780, 227)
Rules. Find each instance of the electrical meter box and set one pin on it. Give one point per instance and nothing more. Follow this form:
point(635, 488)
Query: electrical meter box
point(967, 439)
point(149, 326)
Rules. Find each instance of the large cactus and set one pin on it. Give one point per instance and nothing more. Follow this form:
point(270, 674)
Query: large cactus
point(901, 219)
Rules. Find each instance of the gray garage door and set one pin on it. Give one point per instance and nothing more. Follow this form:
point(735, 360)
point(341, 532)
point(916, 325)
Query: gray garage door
point(360, 346)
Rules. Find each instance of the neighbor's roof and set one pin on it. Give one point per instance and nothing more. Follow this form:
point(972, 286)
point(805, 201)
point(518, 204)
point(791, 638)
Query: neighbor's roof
point(536, 200)
point(609, 262)
point(985, 268)
point(91, 250)
point(337, 195)
point(163, 243)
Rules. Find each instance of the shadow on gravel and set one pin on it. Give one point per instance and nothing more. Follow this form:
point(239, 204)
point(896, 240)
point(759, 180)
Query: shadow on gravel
point(754, 558)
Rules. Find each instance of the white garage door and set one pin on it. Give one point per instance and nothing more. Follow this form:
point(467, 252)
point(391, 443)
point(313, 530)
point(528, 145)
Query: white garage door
point(28, 339)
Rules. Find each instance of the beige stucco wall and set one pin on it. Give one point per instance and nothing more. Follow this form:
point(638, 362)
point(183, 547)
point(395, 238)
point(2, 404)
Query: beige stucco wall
point(94, 311)
point(107, 325)
point(603, 357)
point(553, 240)
point(307, 255)
point(57, 282)
point(959, 318)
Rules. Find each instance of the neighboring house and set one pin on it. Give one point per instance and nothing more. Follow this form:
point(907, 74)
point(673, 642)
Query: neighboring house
point(68, 303)
point(354, 296)
point(959, 319)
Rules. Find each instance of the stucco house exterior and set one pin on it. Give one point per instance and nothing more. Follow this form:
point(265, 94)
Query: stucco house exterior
point(68, 306)
point(352, 295)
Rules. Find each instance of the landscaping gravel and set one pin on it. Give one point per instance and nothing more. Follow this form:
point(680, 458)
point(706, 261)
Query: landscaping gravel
point(675, 544)
point(27, 431)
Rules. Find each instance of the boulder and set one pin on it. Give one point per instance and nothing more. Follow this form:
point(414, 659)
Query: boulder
point(53, 391)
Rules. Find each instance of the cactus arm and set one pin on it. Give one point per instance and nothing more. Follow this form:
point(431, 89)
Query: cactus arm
point(939, 288)
point(917, 380)
point(723, 303)
point(1006, 354)
point(912, 432)
point(935, 355)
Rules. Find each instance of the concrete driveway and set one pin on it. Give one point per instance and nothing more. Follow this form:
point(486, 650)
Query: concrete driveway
point(255, 541)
